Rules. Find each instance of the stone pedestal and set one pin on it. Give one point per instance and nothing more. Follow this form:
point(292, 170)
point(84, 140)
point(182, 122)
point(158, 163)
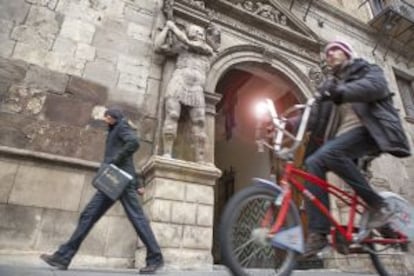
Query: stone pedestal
point(179, 201)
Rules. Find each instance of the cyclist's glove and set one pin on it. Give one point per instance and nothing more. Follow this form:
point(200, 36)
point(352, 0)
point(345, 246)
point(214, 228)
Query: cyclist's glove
point(333, 93)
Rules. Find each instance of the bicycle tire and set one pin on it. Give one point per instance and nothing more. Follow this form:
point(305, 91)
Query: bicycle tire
point(389, 267)
point(377, 263)
point(233, 212)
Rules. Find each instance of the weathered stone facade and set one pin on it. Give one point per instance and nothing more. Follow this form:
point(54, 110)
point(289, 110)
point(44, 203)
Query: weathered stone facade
point(63, 61)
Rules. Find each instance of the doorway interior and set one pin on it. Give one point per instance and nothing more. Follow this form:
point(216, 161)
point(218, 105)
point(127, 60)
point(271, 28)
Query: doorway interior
point(236, 152)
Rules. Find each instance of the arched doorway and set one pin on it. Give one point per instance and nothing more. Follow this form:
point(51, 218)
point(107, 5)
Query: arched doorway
point(236, 152)
point(242, 80)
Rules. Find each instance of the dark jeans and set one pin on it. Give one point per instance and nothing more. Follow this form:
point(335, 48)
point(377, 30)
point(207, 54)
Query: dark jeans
point(338, 155)
point(96, 208)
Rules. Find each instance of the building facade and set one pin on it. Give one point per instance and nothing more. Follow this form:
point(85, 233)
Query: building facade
point(62, 62)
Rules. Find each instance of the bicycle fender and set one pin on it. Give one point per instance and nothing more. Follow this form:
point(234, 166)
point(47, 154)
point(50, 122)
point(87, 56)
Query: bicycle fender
point(291, 238)
point(267, 183)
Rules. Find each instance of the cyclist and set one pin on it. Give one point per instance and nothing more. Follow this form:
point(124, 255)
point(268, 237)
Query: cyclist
point(355, 117)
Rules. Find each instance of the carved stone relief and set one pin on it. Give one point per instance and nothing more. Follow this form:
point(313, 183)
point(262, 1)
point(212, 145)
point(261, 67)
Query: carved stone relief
point(264, 10)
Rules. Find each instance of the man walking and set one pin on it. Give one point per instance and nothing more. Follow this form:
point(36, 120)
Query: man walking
point(121, 144)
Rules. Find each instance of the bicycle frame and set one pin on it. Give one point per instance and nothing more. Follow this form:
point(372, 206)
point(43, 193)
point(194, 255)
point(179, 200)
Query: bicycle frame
point(292, 173)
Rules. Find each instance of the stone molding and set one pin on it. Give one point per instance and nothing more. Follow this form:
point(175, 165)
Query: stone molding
point(211, 100)
point(180, 170)
point(57, 159)
point(250, 53)
point(258, 28)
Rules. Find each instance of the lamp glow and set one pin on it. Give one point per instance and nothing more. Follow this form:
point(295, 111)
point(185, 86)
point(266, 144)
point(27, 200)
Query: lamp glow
point(261, 109)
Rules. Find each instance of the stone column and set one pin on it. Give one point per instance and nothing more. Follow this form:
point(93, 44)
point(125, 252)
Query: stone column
point(179, 202)
point(211, 100)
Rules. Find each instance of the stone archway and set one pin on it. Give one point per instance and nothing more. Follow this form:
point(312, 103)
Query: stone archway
point(243, 75)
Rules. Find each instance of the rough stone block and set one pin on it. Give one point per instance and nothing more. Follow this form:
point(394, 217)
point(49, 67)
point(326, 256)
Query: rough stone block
point(168, 189)
point(183, 213)
point(152, 98)
point(139, 32)
point(65, 46)
point(55, 227)
point(14, 10)
point(24, 100)
point(40, 28)
point(205, 215)
point(47, 80)
point(197, 237)
point(113, 36)
point(8, 171)
point(18, 226)
point(64, 63)
point(12, 70)
point(87, 90)
point(30, 53)
point(141, 12)
point(199, 193)
point(159, 210)
point(85, 51)
point(102, 72)
point(107, 55)
point(46, 187)
point(81, 10)
point(132, 82)
point(77, 30)
point(6, 48)
point(58, 107)
point(167, 235)
point(5, 28)
point(133, 65)
point(122, 238)
point(147, 129)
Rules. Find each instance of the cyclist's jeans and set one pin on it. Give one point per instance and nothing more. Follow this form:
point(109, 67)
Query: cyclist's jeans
point(96, 208)
point(338, 155)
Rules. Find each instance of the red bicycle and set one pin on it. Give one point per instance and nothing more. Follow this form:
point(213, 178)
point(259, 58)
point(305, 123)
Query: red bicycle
point(261, 231)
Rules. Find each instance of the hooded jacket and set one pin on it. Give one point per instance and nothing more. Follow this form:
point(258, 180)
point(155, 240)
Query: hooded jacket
point(364, 86)
point(121, 144)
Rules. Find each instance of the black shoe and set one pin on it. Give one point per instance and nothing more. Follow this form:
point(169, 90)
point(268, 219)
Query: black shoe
point(55, 261)
point(380, 216)
point(151, 269)
point(314, 244)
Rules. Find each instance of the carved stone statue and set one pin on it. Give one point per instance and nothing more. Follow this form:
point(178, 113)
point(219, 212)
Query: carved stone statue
point(186, 86)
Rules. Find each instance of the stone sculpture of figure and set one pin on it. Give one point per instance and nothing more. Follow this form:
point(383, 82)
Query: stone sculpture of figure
point(186, 86)
point(266, 11)
point(248, 5)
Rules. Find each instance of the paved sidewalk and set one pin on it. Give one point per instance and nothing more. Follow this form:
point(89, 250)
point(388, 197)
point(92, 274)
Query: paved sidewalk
point(7, 270)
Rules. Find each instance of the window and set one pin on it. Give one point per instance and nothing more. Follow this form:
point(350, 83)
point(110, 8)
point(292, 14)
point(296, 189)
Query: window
point(406, 88)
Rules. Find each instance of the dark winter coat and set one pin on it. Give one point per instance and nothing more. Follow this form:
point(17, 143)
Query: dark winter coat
point(364, 86)
point(121, 144)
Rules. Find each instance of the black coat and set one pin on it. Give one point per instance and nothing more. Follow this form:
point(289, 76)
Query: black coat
point(121, 144)
point(365, 86)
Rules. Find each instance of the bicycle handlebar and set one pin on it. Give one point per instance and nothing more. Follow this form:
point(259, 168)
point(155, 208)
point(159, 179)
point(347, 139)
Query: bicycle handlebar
point(280, 122)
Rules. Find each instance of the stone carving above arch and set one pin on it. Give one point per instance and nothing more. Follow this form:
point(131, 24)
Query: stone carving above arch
point(266, 19)
point(233, 56)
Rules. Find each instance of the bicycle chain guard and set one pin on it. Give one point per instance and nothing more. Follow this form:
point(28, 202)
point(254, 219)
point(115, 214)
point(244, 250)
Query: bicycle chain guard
point(291, 238)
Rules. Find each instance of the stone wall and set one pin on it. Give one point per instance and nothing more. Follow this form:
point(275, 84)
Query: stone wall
point(107, 42)
point(40, 201)
point(61, 63)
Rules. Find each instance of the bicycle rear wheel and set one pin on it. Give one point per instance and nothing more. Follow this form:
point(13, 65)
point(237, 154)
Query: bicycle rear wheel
point(245, 248)
point(388, 261)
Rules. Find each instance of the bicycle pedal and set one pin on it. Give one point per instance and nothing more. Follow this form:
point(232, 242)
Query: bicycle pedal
point(357, 250)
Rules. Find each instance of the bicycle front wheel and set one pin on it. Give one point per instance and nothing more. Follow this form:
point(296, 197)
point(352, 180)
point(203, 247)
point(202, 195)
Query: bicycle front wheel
point(245, 246)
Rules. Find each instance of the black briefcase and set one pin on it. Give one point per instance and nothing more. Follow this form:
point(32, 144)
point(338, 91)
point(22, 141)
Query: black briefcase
point(111, 180)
